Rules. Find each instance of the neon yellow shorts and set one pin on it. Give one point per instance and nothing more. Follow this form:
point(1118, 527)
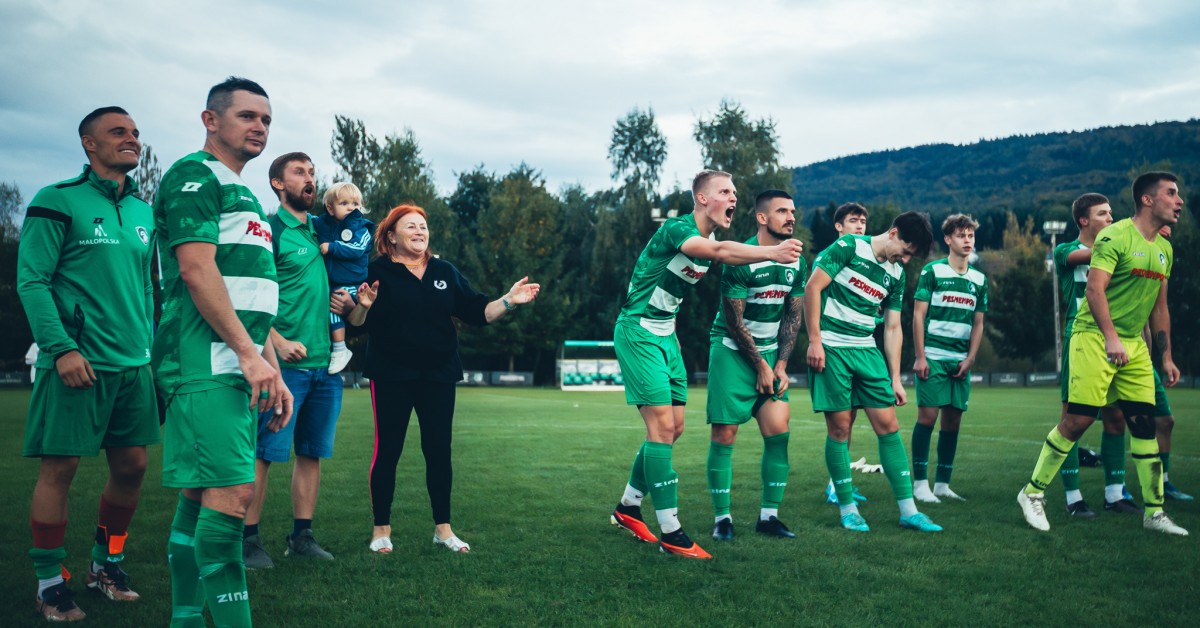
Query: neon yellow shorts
point(1095, 381)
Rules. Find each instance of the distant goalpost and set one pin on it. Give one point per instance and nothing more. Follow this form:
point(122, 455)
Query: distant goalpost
point(589, 365)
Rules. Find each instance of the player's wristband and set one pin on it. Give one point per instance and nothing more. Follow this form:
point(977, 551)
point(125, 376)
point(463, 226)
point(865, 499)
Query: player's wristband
point(508, 306)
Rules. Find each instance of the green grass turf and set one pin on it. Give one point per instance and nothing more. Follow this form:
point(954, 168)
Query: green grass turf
point(538, 471)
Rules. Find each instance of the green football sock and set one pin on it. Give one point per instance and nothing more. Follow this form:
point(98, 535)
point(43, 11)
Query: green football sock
point(895, 465)
point(1054, 452)
point(774, 469)
point(1165, 456)
point(947, 448)
point(1112, 454)
point(921, 436)
point(1150, 472)
point(837, 460)
point(219, 559)
point(720, 476)
point(1069, 471)
point(47, 563)
point(187, 591)
point(663, 481)
point(637, 475)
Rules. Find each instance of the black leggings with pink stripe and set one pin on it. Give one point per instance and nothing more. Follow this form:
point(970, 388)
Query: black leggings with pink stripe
point(394, 403)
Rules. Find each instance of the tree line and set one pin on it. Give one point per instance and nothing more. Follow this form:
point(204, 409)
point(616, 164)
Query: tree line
point(581, 245)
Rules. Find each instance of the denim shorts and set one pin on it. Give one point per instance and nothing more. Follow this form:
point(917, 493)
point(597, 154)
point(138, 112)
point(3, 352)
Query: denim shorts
point(318, 401)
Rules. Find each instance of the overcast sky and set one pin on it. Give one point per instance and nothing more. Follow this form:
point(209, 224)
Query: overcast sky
point(497, 83)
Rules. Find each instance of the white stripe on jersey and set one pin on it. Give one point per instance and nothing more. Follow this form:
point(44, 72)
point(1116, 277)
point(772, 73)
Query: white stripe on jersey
point(224, 361)
point(729, 342)
point(664, 300)
point(772, 294)
point(834, 309)
point(868, 289)
point(934, 353)
point(946, 329)
point(835, 339)
point(253, 294)
point(224, 175)
point(658, 327)
point(862, 248)
point(944, 271)
point(681, 264)
point(245, 228)
point(769, 264)
point(960, 300)
point(763, 331)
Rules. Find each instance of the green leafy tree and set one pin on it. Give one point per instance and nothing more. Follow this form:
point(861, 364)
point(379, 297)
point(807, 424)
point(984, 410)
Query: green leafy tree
point(638, 149)
point(12, 315)
point(147, 174)
point(520, 235)
point(1020, 319)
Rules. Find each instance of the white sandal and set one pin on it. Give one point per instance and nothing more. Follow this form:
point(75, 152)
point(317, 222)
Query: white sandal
point(453, 543)
point(381, 545)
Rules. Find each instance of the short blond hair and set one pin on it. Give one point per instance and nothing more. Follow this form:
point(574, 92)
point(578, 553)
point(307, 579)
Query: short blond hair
point(341, 190)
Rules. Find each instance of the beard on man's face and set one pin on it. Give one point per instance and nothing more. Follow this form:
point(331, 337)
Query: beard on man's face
point(298, 202)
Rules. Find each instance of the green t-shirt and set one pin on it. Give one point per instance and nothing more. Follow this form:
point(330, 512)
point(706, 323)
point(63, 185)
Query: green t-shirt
point(953, 301)
point(1138, 268)
point(83, 272)
point(861, 285)
point(202, 200)
point(662, 276)
point(1072, 280)
point(766, 287)
point(303, 289)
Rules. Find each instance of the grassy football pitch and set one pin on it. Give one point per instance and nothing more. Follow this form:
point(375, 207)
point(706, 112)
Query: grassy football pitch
point(537, 472)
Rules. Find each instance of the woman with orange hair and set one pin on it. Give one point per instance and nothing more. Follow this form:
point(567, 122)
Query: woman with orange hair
point(407, 305)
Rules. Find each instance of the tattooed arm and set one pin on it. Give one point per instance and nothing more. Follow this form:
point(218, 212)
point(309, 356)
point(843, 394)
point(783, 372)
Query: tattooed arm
point(734, 323)
point(789, 329)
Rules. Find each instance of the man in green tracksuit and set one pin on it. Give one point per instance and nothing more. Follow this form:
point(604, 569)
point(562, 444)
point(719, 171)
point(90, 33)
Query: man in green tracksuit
point(83, 275)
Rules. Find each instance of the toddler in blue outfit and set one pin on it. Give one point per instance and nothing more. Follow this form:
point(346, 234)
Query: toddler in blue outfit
point(345, 237)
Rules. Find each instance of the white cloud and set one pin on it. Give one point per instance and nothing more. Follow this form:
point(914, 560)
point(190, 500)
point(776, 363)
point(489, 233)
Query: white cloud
point(544, 82)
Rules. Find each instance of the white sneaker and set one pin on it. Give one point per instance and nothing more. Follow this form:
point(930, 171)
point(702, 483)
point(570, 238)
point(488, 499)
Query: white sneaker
point(338, 360)
point(1033, 506)
point(922, 493)
point(943, 490)
point(1162, 523)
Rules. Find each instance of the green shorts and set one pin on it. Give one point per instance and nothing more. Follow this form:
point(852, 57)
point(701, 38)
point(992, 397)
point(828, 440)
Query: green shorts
point(942, 389)
point(733, 395)
point(651, 366)
point(209, 437)
point(854, 377)
point(119, 410)
point(1064, 377)
point(1162, 407)
point(1095, 381)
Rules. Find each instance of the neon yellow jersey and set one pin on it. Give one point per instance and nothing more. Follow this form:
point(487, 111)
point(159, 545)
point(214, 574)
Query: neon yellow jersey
point(1138, 268)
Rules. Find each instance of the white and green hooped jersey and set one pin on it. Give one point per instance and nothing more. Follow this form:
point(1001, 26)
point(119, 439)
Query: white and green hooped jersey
point(662, 276)
point(953, 301)
point(766, 287)
point(861, 285)
point(202, 200)
point(1072, 281)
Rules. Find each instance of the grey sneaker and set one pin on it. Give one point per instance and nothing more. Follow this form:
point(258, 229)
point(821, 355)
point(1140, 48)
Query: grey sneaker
point(305, 545)
point(254, 555)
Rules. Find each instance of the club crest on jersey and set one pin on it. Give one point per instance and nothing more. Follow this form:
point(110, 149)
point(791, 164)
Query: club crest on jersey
point(1162, 259)
point(143, 235)
point(439, 284)
point(971, 288)
point(346, 235)
point(788, 275)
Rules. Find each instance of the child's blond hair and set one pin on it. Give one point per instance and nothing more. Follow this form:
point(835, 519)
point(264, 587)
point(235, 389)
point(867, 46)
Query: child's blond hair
point(343, 189)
